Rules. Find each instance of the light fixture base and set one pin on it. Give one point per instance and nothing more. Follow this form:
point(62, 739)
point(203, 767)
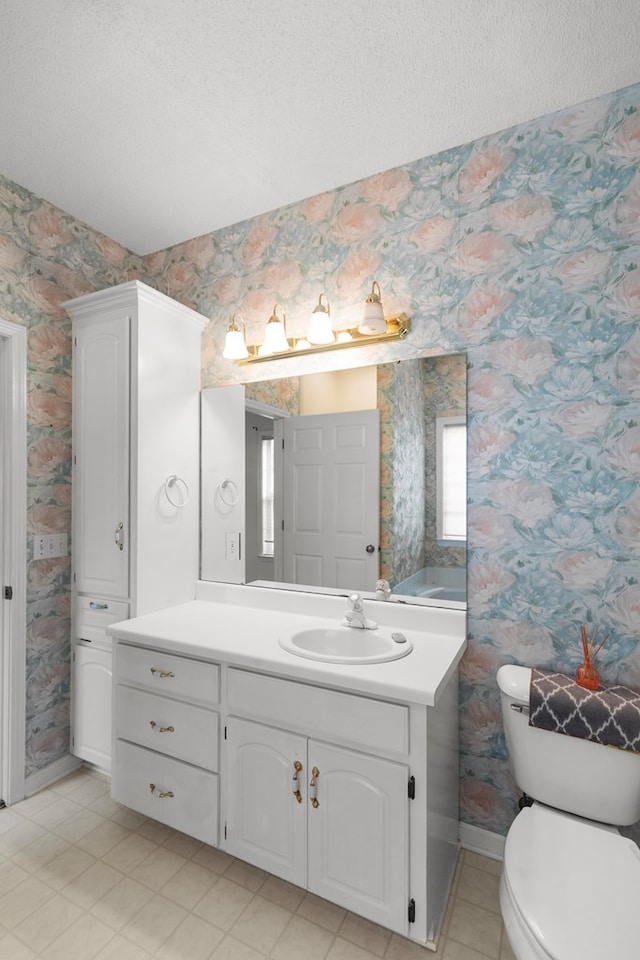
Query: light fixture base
point(398, 326)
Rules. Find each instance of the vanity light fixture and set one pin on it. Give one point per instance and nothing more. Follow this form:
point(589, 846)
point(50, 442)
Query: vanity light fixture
point(235, 345)
point(373, 328)
point(320, 331)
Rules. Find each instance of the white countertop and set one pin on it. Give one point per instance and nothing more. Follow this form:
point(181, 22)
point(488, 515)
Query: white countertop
point(241, 625)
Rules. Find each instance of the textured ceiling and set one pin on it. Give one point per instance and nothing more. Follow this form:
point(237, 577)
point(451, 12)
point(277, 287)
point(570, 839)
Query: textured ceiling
point(155, 121)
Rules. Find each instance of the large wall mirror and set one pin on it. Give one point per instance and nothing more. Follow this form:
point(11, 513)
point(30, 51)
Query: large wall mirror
point(332, 481)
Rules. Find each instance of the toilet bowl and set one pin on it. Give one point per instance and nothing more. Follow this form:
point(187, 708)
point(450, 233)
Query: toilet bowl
point(570, 888)
point(570, 884)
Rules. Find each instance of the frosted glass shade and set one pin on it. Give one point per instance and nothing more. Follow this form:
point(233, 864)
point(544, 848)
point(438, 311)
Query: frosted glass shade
point(234, 346)
point(275, 339)
point(372, 321)
point(320, 328)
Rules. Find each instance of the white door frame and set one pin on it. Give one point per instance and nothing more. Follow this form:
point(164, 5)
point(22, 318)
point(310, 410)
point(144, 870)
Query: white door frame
point(13, 381)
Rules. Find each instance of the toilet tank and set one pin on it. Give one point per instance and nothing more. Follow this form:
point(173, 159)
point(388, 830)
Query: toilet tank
point(578, 776)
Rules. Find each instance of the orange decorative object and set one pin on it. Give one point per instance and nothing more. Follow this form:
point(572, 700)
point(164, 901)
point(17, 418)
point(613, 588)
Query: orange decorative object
point(587, 676)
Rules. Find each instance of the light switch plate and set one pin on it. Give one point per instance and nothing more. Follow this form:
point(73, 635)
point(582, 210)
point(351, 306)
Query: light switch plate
point(49, 545)
point(233, 546)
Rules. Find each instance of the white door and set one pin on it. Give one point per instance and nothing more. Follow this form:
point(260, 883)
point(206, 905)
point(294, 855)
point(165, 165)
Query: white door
point(92, 705)
point(3, 561)
point(265, 816)
point(358, 834)
point(13, 561)
point(101, 457)
point(331, 500)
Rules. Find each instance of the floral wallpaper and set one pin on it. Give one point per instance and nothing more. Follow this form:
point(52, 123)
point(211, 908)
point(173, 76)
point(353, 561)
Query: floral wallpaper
point(47, 257)
point(402, 469)
point(521, 249)
point(445, 395)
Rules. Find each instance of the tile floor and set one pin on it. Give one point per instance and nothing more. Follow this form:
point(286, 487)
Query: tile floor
point(83, 878)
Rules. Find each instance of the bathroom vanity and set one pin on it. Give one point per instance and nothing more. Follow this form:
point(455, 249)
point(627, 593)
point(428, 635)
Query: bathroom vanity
point(338, 777)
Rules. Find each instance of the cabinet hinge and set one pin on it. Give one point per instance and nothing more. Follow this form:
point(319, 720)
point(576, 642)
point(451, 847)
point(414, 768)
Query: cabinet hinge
point(8, 593)
point(411, 788)
point(225, 831)
point(225, 732)
point(283, 443)
point(411, 912)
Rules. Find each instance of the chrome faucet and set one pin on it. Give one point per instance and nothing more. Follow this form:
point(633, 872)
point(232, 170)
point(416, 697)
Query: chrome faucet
point(355, 615)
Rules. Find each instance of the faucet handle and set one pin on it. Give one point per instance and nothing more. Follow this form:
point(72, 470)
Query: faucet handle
point(355, 602)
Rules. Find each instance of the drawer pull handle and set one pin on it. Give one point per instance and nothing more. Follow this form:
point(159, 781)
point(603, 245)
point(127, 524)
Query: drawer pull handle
point(161, 729)
point(162, 674)
point(98, 606)
point(313, 788)
point(166, 795)
point(297, 767)
point(118, 536)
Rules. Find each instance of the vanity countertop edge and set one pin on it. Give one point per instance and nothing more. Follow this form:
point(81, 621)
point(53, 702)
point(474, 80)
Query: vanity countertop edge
point(240, 626)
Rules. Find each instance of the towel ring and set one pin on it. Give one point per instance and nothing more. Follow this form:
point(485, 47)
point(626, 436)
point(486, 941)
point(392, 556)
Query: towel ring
point(228, 485)
point(173, 481)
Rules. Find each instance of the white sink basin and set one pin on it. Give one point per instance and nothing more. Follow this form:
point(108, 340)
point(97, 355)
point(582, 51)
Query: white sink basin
point(347, 645)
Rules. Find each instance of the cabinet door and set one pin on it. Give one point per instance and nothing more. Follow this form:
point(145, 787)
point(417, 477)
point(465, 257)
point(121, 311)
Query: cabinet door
point(265, 820)
point(92, 705)
point(101, 456)
point(358, 833)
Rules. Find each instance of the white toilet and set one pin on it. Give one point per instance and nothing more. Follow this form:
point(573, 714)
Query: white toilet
point(570, 885)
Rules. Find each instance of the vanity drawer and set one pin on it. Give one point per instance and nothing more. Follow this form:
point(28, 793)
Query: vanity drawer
point(361, 721)
point(190, 801)
point(168, 674)
point(92, 616)
point(178, 729)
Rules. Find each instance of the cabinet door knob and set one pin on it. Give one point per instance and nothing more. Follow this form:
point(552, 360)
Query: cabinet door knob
point(313, 788)
point(297, 767)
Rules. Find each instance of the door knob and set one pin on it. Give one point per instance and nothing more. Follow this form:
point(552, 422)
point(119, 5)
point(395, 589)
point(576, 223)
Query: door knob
point(370, 548)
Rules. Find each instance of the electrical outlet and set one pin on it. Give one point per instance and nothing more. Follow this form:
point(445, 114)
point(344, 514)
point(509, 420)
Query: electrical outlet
point(233, 546)
point(49, 545)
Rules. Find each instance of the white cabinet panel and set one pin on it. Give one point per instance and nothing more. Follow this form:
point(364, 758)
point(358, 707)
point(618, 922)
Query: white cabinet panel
point(101, 457)
point(327, 714)
point(265, 813)
point(92, 705)
point(167, 674)
point(170, 726)
point(340, 828)
point(178, 794)
point(358, 834)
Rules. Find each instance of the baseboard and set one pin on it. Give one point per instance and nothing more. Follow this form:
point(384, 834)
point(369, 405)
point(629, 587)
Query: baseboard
point(482, 841)
point(48, 775)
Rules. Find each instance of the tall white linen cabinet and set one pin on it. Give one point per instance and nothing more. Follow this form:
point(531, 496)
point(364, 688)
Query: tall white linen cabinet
point(135, 507)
